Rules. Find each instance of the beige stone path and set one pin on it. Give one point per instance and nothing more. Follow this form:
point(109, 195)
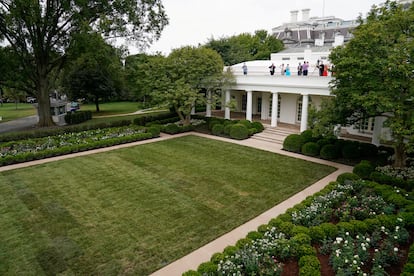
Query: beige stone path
point(192, 260)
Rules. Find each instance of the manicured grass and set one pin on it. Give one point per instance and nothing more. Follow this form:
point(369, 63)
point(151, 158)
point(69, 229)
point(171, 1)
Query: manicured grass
point(8, 111)
point(134, 210)
point(112, 108)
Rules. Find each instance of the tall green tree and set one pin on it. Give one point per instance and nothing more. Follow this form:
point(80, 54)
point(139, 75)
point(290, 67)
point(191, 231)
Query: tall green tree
point(189, 74)
point(141, 73)
point(245, 47)
point(95, 70)
point(39, 33)
point(374, 74)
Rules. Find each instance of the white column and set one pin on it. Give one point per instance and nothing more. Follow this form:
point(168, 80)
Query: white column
point(193, 110)
point(274, 109)
point(227, 108)
point(304, 118)
point(249, 105)
point(265, 106)
point(208, 105)
point(376, 135)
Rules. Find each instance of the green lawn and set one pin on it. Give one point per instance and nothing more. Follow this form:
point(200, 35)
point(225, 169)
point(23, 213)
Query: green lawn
point(112, 108)
point(134, 210)
point(8, 111)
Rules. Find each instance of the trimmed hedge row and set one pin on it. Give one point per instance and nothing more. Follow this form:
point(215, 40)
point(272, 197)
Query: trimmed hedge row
point(366, 170)
point(235, 129)
point(30, 156)
point(332, 148)
point(78, 117)
point(44, 132)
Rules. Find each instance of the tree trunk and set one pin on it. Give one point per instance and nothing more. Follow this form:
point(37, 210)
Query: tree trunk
point(400, 154)
point(97, 104)
point(187, 120)
point(43, 109)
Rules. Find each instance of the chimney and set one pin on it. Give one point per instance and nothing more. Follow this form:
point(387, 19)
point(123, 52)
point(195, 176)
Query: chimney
point(305, 14)
point(294, 16)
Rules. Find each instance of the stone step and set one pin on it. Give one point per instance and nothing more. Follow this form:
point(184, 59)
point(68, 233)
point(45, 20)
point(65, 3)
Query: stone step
point(274, 135)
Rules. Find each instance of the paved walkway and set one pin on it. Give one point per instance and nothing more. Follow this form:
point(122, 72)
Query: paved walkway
point(192, 260)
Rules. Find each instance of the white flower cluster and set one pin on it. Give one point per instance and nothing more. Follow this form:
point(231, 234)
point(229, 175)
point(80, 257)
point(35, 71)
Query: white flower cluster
point(253, 253)
point(67, 139)
point(351, 254)
point(402, 173)
point(317, 213)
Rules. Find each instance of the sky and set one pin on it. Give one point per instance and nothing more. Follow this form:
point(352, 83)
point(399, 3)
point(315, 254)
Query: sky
point(194, 22)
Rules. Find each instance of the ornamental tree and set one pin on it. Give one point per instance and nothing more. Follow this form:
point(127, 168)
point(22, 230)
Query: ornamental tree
point(189, 74)
point(374, 74)
point(39, 33)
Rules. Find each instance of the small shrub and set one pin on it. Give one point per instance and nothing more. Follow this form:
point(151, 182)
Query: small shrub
point(347, 176)
point(301, 238)
point(299, 229)
point(191, 273)
point(171, 129)
point(246, 123)
point(330, 230)
point(263, 228)
point(329, 152)
point(258, 126)
point(286, 228)
point(305, 250)
point(368, 150)
point(351, 150)
point(310, 149)
point(230, 250)
point(217, 129)
point(243, 242)
point(226, 129)
point(154, 130)
point(217, 258)
point(307, 136)
point(317, 234)
point(239, 132)
point(327, 141)
point(363, 169)
point(345, 227)
point(207, 268)
point(254, 235)
point(252, 131)
point(293, 143)
point(309, 266)
point(359, 226)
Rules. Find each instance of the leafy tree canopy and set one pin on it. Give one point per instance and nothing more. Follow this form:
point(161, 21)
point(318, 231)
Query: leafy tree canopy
point(187, 72)
point(39, 33)
point(141, 73)
point(245, 47)
point(374, 73)
point(94, 71)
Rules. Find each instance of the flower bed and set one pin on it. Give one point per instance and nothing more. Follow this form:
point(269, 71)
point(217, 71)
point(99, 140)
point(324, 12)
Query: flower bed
point(38, 148)
point(355, 227)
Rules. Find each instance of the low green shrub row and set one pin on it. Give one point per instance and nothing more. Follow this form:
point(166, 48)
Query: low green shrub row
point(366, 170)
point(173, 128)
point(332, 148)
point(72, 118)
point(160, 119)
point(235, 129)
point(30, 156)
point(45, 132)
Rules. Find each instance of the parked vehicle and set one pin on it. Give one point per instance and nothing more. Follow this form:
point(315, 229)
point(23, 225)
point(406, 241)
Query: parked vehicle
point(30, 100)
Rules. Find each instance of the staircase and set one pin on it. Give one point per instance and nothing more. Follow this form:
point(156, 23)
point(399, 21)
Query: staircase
point(274, 134)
